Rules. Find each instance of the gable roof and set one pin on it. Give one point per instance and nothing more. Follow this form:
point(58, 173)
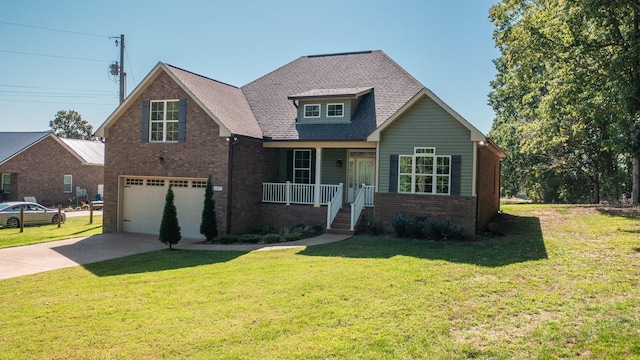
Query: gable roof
point(91, 152)
point(224, 103)
point(86, 151)
point(13, 143)
point(266, 108)
point(269, 95)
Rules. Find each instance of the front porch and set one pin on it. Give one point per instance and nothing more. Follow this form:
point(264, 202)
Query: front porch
point(319, 195)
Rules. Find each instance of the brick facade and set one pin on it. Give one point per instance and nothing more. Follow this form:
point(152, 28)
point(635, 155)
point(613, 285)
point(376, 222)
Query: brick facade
point(39, 171)
point(281, 215)
point(460, 210)
point(204, 152)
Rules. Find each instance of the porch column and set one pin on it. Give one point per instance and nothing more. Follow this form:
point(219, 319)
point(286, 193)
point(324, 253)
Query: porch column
point(317, 187)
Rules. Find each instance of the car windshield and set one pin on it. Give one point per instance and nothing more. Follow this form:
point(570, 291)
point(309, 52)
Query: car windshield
point(4, 206)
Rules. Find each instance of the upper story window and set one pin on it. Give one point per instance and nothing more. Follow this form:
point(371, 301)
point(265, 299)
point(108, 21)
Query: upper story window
point(312, 111)
point(424, 172)
point(164, 120)
point(335, 110)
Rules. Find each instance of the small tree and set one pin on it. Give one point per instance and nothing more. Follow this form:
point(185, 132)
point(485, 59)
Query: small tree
point(69, 124)
point(208, 226)
point(169, 227)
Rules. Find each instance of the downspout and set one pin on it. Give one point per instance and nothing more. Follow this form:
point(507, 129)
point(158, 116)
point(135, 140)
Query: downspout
point(478, 147)
point(232, 141)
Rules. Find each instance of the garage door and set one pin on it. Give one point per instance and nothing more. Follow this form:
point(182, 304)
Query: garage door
point(143, 202)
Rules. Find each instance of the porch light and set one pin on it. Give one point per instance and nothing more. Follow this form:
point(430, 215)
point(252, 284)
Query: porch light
point(339, 163)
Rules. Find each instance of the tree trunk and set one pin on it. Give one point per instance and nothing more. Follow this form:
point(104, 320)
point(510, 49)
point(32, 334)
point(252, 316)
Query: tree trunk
point(635, 190)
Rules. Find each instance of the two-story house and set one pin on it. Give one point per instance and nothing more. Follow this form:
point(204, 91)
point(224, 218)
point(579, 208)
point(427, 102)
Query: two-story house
point(322, 134)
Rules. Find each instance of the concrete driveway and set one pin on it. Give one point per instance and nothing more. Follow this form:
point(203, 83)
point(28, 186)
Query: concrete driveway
point(32, 259)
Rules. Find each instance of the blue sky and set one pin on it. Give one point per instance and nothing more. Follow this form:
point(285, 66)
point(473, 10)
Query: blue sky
point(446, 45)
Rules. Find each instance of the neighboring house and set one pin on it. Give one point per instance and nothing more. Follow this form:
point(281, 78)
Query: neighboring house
point(295, 146)
point(49, 168)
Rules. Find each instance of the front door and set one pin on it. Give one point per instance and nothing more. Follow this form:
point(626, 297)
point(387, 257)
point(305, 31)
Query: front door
point(360, 172)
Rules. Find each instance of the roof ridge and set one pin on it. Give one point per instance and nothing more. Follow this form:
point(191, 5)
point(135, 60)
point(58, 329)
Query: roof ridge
point(342, 53)
point(198, 75)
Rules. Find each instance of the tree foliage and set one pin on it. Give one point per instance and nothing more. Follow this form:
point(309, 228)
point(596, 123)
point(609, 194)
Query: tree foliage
point(567, 98)
point(208, 225)
point(169, 226)
point(69, 124)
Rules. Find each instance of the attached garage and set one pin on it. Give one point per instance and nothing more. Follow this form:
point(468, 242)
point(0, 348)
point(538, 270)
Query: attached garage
point(143, 198)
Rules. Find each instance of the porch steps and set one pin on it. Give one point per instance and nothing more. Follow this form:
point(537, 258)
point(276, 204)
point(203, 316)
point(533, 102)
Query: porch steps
point(342, 223)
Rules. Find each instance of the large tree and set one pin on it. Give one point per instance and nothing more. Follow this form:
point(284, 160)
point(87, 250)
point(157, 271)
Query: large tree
point(567, 96)
point(69, 124)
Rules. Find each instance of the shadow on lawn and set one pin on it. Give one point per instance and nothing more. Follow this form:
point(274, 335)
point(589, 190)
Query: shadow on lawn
point(160, 260)
point(523, 241)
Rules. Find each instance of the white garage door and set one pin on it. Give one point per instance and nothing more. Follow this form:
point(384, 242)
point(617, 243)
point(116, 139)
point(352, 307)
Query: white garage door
point(143, 202)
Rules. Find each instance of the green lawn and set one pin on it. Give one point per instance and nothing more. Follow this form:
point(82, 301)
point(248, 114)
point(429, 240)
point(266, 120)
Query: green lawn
point(562, 283)
point(73, 227)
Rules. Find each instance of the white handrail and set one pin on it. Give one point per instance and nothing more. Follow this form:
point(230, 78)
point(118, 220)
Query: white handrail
point(290, 193)
point(357, 206)
point(333, 206)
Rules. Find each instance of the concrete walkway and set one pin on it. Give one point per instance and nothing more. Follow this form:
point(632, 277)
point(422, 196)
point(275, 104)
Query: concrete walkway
point(32, 259)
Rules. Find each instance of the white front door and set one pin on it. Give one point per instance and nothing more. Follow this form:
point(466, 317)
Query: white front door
point(360, 172)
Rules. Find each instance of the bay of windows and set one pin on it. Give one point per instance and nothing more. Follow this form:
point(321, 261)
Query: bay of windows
point(424, 172)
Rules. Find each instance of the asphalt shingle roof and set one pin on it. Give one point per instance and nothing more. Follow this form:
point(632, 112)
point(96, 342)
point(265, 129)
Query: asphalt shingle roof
point(225, 101)
point(12, 143)
point(269, 95)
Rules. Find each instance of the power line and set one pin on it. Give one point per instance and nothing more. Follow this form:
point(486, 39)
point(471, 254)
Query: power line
point(54, 56)
point(58, 102)
point(55, 88)
point(135, 83)
point(52, 29)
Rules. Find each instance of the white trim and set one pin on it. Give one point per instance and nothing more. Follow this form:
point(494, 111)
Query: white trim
point(325, 145)
point(335, 116)
point(64, 183)
point(103, 130)
point(2, 182)
point(475, 135)
point(164, 120)
point(474, 170)
point(304, 111)
point(294, 168)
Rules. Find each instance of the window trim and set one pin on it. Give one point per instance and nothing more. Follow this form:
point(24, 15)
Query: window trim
point(419, 152)
point(341, 110)
point(64, 184)
point(164, 121)
point(3, 183)
point(304, 112)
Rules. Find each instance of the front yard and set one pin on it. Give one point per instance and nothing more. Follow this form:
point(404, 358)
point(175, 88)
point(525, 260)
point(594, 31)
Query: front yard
point(563, 283)
point(73, 227)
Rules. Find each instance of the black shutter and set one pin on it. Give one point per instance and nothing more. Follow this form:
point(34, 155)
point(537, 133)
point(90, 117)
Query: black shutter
point(456, 170)
point(145, 121)
point(393, 174)
point(182, 119)
point(312, 162)
point(289, 175)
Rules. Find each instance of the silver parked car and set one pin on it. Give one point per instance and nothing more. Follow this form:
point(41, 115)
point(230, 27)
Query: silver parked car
point(34, 214)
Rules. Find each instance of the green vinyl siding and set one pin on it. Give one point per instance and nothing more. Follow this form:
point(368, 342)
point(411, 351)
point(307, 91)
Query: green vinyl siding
point(331, 173)
point(323, 111)
point(426, 124)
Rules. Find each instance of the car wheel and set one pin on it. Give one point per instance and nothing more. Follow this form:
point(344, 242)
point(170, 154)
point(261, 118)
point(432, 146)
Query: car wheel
point(54, 219)
point(13, 223)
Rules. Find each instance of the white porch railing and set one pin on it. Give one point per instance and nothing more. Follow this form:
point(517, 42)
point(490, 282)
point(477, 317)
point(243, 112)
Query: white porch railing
point(290, 193)
point(368, 195)
point(334, 206)
point(356, 207)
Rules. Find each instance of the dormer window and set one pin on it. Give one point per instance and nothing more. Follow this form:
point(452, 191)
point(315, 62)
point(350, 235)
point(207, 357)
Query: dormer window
point(335, 110)
point(312, 111)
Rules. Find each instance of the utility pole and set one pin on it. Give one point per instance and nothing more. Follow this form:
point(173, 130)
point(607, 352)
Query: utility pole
point(123, 76)
point(118, 68)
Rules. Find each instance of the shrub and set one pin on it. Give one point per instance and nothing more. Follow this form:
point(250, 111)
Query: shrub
point(317, 229)
point(271, 238)
point(262, 229)
point(444, 230)
point(293, 236)
point(421, 228)
point(208, 223)
point(229, 239)
point(401, 225)
point(250, 238)
point(169, 226)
